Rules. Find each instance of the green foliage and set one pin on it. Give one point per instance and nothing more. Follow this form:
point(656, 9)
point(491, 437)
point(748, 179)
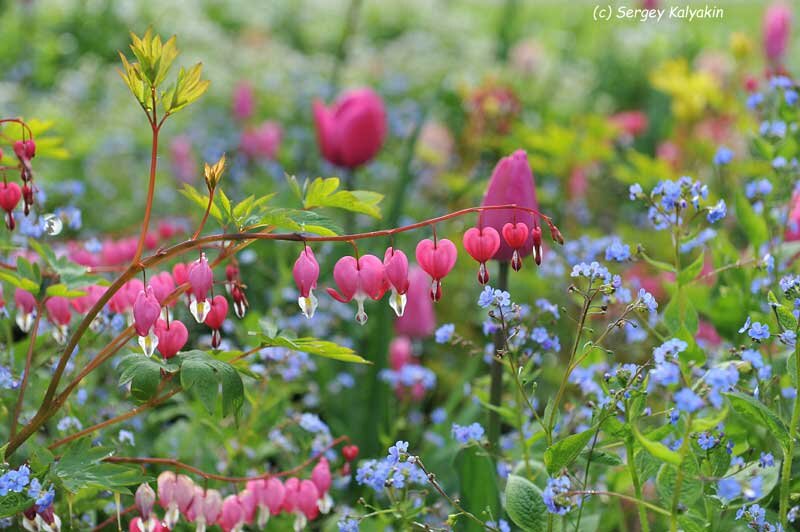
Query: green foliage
point(524, 504)
point(81, 467)
point(203, 376)
point(312, 346)
point(759, 415)
point(323, 192)
point(477, 485)
point(563, 452)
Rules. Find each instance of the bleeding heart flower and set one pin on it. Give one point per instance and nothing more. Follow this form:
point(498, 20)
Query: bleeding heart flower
point(26, 305)
point(180, 272)
point(350, 452)
point(515, 235)
point(201, 280)
point(141, 525)
point(205, 508)
point(511, 183)
point(306, 274)
point(85, 302)
point(232, 518)
point(307, 497)
point(144, 499)
point(175, 494)
point(146, 311)
point(351, 132)
point(358, 279)
point(216, 316)
point(395, 268)
point(269, 494)
point(58, 311)
point(172, 337)
point(123, 300)
point(10, 194)
point(481, 244)
point(163, 285)
point(437, 259)
point(321, 475)
point(249, 503)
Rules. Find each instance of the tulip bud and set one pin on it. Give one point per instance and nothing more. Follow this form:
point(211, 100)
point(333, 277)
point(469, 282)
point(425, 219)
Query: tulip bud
point(777, 27)
point(351, 132)
point(511, 183)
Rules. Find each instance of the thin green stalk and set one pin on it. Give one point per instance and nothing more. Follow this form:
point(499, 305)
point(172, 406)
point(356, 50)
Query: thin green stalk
point(786, 467)
point(637, 485)
point(676, 495)
point(496, 370)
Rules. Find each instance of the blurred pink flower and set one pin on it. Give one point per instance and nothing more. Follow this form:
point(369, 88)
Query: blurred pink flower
point(419, 318)
point(631, 123)
point(776, 30)
point(181, 156)
point(243, 101)
point(351, 132)
point(263, 141)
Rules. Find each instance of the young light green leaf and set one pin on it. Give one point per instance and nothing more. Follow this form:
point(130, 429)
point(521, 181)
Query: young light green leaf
point(313, 346)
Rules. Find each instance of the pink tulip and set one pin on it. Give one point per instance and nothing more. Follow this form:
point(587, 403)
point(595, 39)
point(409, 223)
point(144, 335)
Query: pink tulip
point(400, 352)
point(352, 131)
point(481, 244)
point(437, 259)
point(261, 142)
point(232, 518)
point(171, 336)
point(306, 274)
point(776, 29)
point(419, 319)
point(244, 101)
point(395, 268)
point(511, 182)
point(175, 494)
point(358, 279)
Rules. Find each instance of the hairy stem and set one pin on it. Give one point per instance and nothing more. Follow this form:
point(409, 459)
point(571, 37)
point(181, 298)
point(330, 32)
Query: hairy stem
point(786, 467)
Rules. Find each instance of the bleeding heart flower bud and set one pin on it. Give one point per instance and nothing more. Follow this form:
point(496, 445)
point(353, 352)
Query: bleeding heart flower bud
point(358, 279)
point(306, 274)
point(511, 183)
point(515, 235)
point(400, 352)
point(201, 280)
point(146, 311)
point(307, 497)
point(171, 336)
point(350, 452)
point(145, 498)
point(419, 318)
point(231, 276)
point(30, 148)
point(27, 198)
point(175, 494)
point(482, 244)
point(216, 316)
point(395, 268)
point(232, 518)
point(537, 243)
point(240, 303)
point(351, 132)
point(437, 259)
point(10, 194)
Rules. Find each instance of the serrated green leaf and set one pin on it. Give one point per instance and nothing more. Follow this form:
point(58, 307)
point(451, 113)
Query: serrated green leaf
point(143, 373)
point(203, 375)
point(81, 466)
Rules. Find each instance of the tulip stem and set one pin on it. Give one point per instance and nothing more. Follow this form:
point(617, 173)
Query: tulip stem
point(496, 370)
point(342, 48)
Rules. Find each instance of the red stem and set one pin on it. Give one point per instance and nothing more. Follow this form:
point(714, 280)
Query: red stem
point(26, 375)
